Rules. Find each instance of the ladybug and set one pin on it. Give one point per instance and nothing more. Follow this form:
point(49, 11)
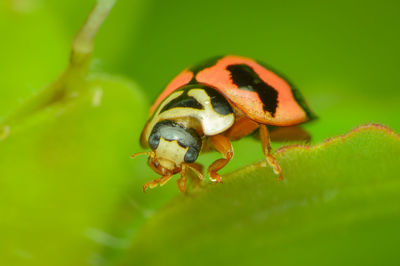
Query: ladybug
point(207, 106)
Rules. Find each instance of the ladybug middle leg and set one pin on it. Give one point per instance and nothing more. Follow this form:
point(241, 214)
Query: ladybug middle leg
point(265, 141)
point(222, 144)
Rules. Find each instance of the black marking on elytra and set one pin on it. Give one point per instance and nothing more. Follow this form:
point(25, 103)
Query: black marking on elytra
point(199, 67)
point(247, 79)
point(172, 131)
point(296, 92)
point(203, 65)
point(218, 101)
point(183, 100)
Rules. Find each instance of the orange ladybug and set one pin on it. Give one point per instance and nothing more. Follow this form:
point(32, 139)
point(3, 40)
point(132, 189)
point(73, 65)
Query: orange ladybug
point(207, 106)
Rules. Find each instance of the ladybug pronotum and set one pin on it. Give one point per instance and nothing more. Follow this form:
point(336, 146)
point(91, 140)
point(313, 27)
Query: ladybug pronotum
point(207, 106)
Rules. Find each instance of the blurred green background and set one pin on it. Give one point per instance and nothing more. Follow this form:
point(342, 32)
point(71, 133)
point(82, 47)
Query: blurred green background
point(67, 185)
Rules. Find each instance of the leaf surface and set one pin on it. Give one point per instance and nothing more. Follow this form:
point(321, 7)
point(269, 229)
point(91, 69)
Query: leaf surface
point(338, 204)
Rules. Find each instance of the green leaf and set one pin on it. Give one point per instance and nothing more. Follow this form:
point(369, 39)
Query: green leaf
point(338, 204)
point(64, 170)
point(65, 163)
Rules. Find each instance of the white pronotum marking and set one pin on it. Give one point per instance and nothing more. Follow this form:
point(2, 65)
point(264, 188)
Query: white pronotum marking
point(212, 122)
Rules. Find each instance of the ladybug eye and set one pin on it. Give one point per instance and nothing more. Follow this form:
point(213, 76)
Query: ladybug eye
point(191, 155)
point(154, 140)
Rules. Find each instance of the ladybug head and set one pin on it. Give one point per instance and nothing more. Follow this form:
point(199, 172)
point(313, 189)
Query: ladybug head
point(172, 145)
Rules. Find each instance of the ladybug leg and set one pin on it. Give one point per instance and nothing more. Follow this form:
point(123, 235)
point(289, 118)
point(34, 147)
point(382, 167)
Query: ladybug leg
point(265, 141)
point(223, 145)
point(148, 153)
point(195, 173)
point(181, 182)
point(153, 183)
point(197, 169)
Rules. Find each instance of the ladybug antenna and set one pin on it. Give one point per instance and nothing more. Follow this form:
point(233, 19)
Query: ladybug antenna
point(148, 153)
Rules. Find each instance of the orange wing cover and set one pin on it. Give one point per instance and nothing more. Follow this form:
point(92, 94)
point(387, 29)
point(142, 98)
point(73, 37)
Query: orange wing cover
point(259, 92)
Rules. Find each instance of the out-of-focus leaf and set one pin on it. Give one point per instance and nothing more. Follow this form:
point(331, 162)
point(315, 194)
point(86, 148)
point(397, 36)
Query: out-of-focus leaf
point(339, 204)
point(33, 51)
point(65, 163)
point(63, 172)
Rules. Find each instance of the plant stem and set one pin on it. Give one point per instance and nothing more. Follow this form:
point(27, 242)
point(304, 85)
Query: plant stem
point(82, 45)
point(73, 80)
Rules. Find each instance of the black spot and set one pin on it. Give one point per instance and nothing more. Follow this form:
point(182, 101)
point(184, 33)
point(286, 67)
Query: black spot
point(184, 100)
point(191, 155)
point(247, 79)
point(218, 101)
point(171, 131)
point(296, 93)
point(154, 140)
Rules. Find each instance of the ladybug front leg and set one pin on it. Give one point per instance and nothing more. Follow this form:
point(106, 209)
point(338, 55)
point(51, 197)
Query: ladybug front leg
point(223, 146)
point(266, 145)
point(181, 182)
point(195, 174)
point(153, 183)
